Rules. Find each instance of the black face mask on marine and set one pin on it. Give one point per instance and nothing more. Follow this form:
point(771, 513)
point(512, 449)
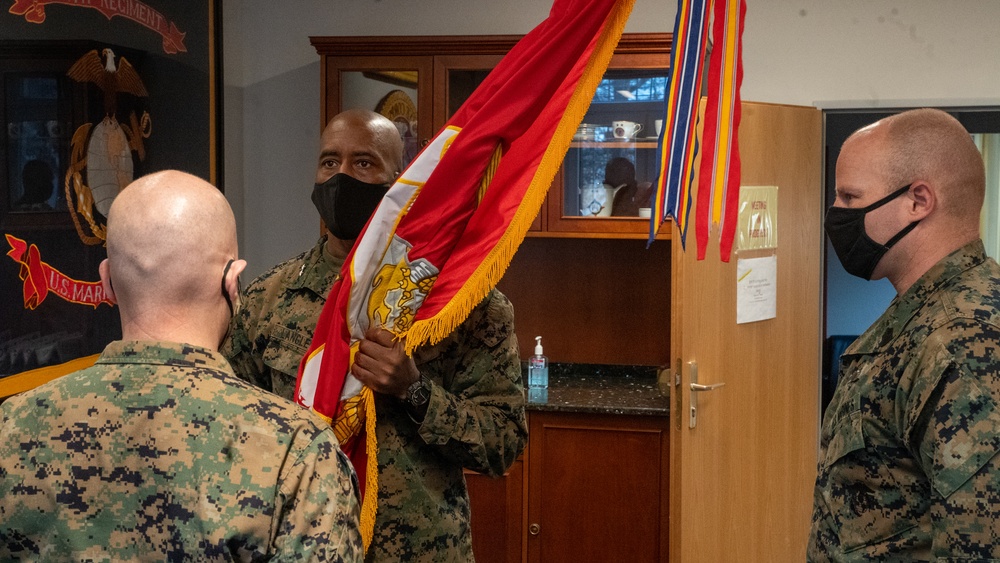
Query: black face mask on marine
point(346, 203)
point(858, 253)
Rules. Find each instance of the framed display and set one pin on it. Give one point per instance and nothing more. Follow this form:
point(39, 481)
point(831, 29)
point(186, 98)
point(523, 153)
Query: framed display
point(92, 96)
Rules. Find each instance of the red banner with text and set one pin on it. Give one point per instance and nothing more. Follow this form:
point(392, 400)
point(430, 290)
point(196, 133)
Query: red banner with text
point(40, 279)
point(139, 12)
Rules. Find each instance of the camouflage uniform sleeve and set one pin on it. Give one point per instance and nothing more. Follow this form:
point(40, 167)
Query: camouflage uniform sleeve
point(955, 439)
point(476, 416)
point(318, 514)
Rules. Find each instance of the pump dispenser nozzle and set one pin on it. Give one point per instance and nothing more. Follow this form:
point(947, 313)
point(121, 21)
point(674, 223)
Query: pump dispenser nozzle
point(538, 345)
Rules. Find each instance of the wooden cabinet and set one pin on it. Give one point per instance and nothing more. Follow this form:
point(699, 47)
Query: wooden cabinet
point(498, 515)
point(434, 75)
point(593, 301)
point(595, 489)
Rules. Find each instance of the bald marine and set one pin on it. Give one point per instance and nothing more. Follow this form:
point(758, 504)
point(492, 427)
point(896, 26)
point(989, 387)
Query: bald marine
point(172, 263)
point(158, 451)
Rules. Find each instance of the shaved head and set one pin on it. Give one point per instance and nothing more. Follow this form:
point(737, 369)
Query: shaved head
point(384, 134)
point(929, 145)
point(363, 144)
point(929, 158)
point(170, 235)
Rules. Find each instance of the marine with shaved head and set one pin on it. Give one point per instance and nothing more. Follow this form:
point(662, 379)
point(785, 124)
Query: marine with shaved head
point(456, 405)
point(158, 452)
point(908, 467)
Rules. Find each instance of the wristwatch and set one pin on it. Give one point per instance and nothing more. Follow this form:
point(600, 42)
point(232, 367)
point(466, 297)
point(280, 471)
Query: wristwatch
point(419, 392)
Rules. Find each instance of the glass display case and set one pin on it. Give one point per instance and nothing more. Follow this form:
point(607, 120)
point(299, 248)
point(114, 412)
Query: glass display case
point(606, 183)
point(439, 73)
point(610, 167)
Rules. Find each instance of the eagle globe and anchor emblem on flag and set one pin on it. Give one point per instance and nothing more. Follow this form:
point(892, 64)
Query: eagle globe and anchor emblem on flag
point(101, 155)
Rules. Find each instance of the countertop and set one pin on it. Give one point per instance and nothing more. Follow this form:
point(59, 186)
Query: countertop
point(587, 388)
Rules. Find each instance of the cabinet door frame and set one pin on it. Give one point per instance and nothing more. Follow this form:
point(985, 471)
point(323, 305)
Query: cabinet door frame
point(540, 543)
point(443, 64)
point(641, 56)
point(331, 101)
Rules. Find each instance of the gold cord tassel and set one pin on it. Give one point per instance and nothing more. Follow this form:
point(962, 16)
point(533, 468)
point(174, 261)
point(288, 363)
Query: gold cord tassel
point(369, 505)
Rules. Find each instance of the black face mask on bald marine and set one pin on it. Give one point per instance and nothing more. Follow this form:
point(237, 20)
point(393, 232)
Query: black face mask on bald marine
point(345, 204)
point(858, 253)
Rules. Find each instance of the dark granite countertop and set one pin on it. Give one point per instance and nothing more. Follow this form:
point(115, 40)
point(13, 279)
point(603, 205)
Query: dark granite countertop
point(601, 389)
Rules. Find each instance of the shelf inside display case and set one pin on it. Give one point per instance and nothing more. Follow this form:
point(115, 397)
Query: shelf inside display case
point(611, 163)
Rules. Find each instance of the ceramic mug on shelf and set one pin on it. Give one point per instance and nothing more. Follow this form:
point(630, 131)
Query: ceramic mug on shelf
point(625, 129)
point(595, 200)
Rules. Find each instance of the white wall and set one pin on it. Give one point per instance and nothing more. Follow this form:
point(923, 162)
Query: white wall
point(828, 53)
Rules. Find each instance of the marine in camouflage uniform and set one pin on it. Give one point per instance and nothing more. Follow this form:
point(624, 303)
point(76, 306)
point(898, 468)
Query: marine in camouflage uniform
point(475, 417)
point(908, 463)
point(159, 452)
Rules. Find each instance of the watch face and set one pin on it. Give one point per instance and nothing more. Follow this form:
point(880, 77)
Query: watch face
point(418, 393)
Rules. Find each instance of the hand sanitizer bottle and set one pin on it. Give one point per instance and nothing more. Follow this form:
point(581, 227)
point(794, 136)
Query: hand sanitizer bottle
point(538, 374)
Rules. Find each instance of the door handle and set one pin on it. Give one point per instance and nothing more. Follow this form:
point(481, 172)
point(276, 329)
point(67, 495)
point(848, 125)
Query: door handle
point(695, 389)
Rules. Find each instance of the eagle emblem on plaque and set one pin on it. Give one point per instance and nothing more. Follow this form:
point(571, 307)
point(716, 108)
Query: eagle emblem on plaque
point(101, 164)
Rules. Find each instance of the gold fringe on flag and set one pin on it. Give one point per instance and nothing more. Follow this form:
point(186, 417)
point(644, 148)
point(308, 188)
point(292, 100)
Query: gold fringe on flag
point(492, 268)
point(369, 505)
point(358, 410)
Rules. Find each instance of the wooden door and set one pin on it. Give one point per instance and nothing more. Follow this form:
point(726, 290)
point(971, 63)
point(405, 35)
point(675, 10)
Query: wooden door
point(742, 479)
point(596, 485)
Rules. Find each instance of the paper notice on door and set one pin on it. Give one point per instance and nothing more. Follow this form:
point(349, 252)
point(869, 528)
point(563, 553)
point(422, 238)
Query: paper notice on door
point(756, 289)
point(758, 218)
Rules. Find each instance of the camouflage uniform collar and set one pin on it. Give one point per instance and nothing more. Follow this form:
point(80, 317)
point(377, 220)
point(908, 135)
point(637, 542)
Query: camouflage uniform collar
point(318, 270)
point(904, 307)
point(162, 353)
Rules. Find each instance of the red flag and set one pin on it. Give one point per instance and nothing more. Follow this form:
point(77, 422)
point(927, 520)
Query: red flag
point(446, 231)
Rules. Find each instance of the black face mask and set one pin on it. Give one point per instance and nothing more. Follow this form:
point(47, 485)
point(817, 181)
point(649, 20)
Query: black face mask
point(858, 253)
point(345, 204)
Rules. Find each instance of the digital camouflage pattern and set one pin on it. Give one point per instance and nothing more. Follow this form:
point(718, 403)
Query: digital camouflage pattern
point(275, 324)
point(158, 452)
point(908, 465)
point(475, 417)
